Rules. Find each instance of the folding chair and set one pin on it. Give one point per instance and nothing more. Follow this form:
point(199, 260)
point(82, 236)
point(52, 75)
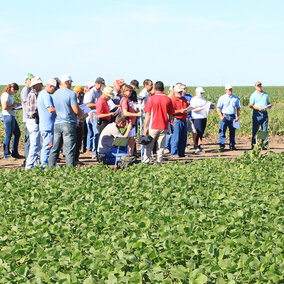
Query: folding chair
point(117, 142)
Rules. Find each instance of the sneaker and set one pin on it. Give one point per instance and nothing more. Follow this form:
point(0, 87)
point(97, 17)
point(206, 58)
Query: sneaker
point(7, 157)
point(233, 148)
point(197, 150)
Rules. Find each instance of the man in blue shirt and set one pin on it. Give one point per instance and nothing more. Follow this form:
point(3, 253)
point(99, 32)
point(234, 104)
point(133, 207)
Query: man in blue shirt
point(47, 114)
point(259, 102)
point(67, 110)
point(228, 108)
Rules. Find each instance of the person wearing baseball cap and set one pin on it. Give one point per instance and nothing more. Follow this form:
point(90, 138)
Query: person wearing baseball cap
point(179, 136)
point(67, 111)
point(259, 102)
point(91, 98)
point(117, 84)
point(47, 114)
point(103, 111)
point(199, 117)
point(24, 95)
point(228, 109)
point(33, 122)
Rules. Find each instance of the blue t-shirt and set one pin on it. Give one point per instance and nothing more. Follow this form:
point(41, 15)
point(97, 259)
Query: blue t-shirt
point(188, 98)
point(46, 119)
point(228, 104)
point(63, 99)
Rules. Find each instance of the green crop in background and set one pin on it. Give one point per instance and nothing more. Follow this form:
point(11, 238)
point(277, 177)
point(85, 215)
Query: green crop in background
point(213, 221)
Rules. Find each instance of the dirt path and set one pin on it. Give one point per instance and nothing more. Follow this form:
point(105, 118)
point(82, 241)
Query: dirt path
point(210, 146)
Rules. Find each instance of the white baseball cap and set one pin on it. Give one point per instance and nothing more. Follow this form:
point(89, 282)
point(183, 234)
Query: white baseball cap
point(65, 78)
point(199, 90)
point(52, 82)
point(91, 83)
point(228, 87)
point(178, 88)
point(36, 80)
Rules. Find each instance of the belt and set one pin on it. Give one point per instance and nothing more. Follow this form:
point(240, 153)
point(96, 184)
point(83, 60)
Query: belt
point(263, 111)
point(182, 119)
point(229, 114)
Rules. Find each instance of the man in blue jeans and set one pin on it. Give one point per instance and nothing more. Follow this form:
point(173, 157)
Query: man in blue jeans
point(228, 108)
point(67, 110)
point(91, 98)
point(259, 102)
point(47, 115)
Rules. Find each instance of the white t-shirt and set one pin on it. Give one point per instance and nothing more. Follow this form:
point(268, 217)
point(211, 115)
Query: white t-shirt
point(107, 136)
point(197, 103)
point(5, 97)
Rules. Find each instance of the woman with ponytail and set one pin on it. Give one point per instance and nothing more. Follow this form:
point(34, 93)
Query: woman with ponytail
point(10, 123)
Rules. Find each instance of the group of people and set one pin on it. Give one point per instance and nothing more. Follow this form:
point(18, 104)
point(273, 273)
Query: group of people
point(59, 116)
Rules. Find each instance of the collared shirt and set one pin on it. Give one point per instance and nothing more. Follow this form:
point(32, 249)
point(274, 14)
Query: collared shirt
point(92, 96)
point(32, 102)
point(142, 98)
point(178, 104)
point(24, 95)
point(259, 100)
point(228, 104)
point(159, 106)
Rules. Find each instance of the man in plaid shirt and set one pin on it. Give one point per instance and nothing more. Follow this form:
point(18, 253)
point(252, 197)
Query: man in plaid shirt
point(33, 122)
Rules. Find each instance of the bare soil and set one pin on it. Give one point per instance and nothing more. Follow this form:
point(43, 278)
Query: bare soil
point(210, 150)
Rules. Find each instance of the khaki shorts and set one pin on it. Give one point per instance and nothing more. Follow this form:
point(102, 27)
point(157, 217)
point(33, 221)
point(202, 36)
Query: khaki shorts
point(190, 126)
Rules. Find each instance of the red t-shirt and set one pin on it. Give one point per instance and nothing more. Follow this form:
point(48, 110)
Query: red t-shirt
point(178, 104)
point(102, 108)
point(126, 103)
point(159, 106)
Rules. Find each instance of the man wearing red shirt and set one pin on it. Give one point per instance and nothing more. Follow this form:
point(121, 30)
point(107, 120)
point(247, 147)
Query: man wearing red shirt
point(179, 136)
point(103, 112)
point(159, 109)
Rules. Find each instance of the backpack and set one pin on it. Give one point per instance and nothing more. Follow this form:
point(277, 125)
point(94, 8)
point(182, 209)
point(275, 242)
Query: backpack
point(126, 161)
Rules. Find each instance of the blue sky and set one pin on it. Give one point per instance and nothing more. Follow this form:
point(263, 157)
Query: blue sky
point(196, 42)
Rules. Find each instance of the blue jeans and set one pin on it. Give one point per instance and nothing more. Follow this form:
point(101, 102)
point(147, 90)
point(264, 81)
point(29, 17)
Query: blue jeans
point(64, 133)
point(90, 135)
point(223, 128)
point(34, 143)
point(179, 137)
point(47, 143)
point(259, 119)
point(168, 142)
point(27, 141)
point(11, 127)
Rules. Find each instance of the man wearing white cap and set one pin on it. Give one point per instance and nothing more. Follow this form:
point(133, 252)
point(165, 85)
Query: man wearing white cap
point(179, 136)
point(33, 122)
point(67, 110)
point(24, 95)
point(47, 114)
point(228, 108)
point(91, 98)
